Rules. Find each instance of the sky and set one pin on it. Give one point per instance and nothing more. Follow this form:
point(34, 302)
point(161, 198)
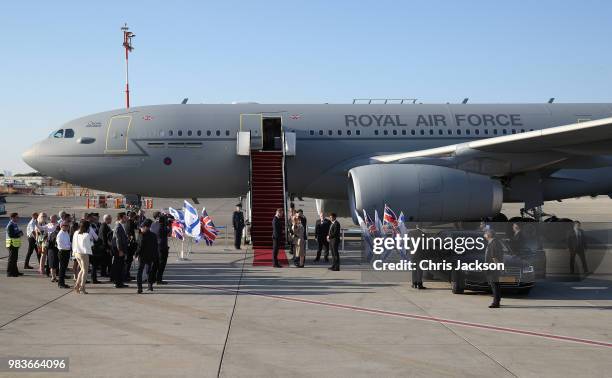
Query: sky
point(63, 59)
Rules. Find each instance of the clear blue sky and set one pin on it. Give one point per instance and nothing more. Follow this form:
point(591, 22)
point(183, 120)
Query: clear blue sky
point(63, 59)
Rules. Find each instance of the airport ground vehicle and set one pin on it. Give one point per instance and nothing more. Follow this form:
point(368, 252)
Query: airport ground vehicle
point(518, 275)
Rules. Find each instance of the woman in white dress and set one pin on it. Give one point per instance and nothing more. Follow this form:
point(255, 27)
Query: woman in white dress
point(81, 250)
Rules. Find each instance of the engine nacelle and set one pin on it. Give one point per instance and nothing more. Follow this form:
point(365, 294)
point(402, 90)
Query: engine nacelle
point(423, 192)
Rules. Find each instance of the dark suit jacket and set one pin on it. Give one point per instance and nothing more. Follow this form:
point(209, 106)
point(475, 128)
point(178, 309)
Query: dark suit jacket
point(517, 242)
point(494, 254)
point(304, 223)
point(575, 243)
point(105, 235)
point(146, 247)
point(277, 227)
point(322, 228)
point(120, 240)
point(238, 220)
point(334, 230)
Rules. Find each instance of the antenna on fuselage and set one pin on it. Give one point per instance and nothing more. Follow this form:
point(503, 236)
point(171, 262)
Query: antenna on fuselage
point(127, 43)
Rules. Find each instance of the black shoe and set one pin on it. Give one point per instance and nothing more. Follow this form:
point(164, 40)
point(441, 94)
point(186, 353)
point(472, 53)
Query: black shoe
point(54, 280)
point(12, 275)
point(150, 288)
point(494, 305)
point(64, 286)
point(414, 286)
point(21, 274)
point(27, 267)
point(161, 283)
point(87, 282)
point(121, 286)
point(139, 291)
point(277, 266)
point(97, 282)
point(300, 266)
point(330, 268)
point(315, 261)
point(421, 287)
point(326, 259)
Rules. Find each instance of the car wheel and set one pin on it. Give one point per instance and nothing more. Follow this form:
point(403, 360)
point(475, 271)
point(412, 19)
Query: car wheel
point(457, 282)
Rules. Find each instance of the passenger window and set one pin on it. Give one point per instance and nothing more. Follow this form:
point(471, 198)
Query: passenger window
point(208, 132)
point(504, 131)
point(331, 132)
point(394, 132)
point(458, 131)
point(450, 132)
point(311, 132)
point(467, 132)
point(348, 132)
point(189, 133)
point(375, 132)
point(180, 133)
point(404, 132)
point(386, 132)
point(339, 132)
point(170, 133)
point(59, 134)
point(522, 130)
point(358, 132)
point(320, 132)
point(412, 132)
point(486, 131)
point(477, 132)
point(495, 131)
point(226, 132)
point(513, 131)
point(430, 131)
point(422, 132)
point(218, 133)
point(199, 132)
point(440, 131)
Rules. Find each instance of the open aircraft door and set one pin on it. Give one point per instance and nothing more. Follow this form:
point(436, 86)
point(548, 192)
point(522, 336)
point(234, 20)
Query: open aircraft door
point(117, 134)
point(253, 123)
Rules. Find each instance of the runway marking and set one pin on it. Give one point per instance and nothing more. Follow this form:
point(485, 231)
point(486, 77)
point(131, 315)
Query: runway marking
point(420, 317)
point(589, 287)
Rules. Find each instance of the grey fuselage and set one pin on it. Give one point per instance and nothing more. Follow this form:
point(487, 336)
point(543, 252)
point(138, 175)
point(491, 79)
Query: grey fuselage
point(189, 151)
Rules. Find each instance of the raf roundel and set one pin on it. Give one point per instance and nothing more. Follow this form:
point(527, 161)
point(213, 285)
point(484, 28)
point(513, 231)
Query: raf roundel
point(167, 161)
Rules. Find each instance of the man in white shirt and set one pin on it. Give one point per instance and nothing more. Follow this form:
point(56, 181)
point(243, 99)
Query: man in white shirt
point(31, 241)
point(64, 246)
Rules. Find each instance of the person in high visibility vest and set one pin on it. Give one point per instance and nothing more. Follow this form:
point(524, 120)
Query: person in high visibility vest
point(13, 242)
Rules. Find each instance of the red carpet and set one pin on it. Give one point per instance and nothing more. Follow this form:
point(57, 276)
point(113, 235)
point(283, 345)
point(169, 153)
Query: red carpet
point(263, 257)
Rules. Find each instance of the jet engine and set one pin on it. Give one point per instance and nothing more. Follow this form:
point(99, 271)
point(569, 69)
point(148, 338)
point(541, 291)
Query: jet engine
point(423, 192)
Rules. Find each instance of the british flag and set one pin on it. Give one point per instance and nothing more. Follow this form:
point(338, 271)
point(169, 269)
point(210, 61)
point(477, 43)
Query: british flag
point(209, 231)
point(177, 230)
point(369, 223)
point(390, 219)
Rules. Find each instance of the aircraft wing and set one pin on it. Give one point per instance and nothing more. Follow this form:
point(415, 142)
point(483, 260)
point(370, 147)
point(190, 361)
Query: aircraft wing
point(519, 152)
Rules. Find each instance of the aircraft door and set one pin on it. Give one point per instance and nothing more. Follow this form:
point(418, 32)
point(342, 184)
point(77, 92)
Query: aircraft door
point(117, 134)
point(252, 123)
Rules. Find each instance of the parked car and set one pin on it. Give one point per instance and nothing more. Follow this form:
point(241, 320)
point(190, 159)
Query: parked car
point(518, 274)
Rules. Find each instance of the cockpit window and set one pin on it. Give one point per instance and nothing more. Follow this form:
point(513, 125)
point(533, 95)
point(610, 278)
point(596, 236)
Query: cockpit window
point(58, 134)
point(69, 133)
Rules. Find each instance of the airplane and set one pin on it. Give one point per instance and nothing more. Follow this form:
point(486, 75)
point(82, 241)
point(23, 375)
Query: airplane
point(434, 162)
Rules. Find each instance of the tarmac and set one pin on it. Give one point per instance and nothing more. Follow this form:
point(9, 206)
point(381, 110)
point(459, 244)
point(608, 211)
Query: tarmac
point(221, 316)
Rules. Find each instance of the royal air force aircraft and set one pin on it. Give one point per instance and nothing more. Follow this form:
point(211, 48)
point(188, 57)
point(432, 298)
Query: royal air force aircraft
point(435, 162)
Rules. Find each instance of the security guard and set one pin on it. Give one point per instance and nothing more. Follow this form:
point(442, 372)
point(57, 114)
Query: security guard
point(13, 242)
point(238, 223)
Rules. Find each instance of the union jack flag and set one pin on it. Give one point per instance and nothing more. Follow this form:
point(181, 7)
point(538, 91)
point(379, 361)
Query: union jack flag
point(209, 231)
point(390, 219)
point(369, 223)
point(177, 230)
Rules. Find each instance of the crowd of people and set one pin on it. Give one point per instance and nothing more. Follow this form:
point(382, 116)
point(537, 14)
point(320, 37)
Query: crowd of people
point(96, 247)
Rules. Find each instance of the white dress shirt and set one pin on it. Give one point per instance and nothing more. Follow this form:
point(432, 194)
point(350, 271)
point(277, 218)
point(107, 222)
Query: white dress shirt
point(31, 227)
point(63, 240)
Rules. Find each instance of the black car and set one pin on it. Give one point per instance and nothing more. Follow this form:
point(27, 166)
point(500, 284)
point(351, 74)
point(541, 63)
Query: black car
point(518, 274)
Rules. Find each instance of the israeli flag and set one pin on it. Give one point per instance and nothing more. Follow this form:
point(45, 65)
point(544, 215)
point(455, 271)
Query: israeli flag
point(401, 226)
point(177, 215)
point(192, 221)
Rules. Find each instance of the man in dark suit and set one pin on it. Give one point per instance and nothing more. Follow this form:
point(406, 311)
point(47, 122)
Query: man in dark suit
point(147, 254)
point(416, 258)
point(277, 235)
point(493, 254)
point(576, 243)
point(321, 232)
point(105, 234)
point(334, 242)
point(238, 223)
point(517, 241)
point(120, 247)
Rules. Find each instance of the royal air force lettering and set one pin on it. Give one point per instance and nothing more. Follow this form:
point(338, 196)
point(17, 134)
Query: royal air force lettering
point(459, 120)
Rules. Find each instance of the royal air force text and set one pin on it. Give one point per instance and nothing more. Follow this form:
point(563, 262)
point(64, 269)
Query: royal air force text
point(459, 120)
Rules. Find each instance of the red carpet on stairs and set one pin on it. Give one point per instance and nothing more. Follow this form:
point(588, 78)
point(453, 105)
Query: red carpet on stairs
point(268, 194)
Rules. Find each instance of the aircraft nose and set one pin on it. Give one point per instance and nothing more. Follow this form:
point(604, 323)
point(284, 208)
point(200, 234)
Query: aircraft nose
point(30, 156)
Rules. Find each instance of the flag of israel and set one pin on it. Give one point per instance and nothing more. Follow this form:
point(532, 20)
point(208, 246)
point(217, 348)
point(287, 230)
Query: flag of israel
point(192, 220)
point(177, 215)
